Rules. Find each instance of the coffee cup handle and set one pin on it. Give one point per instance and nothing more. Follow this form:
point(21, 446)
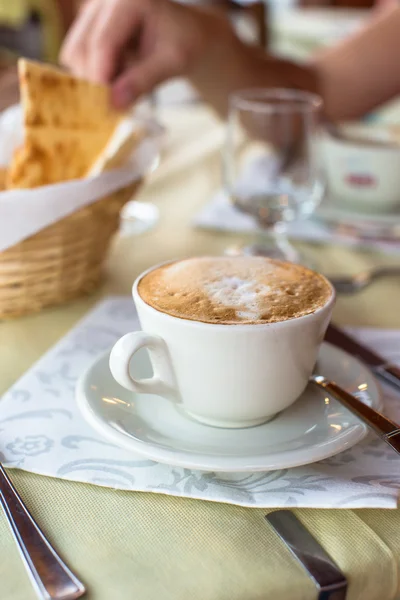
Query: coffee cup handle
point(162, 382)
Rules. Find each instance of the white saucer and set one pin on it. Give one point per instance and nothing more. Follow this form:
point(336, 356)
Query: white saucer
point(315, 427)
point(368, 225)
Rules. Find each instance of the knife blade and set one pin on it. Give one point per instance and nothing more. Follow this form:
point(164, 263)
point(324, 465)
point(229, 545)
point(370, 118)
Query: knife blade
point(388, 372)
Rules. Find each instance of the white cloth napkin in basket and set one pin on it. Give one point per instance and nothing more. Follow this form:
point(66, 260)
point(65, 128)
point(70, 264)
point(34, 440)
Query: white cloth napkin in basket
point(25, 212)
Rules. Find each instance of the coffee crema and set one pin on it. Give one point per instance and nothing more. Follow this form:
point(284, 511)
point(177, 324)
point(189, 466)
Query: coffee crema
point(234, 290)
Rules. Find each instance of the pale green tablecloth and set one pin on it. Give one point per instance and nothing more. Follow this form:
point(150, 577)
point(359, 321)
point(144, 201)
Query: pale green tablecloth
point(153, 547)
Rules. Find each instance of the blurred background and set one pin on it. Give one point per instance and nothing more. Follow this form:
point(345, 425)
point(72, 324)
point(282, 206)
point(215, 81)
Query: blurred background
point(295, 28)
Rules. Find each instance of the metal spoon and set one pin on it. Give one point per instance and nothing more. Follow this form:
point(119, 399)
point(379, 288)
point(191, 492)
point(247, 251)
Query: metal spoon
point(49, 575)
point(355, 283)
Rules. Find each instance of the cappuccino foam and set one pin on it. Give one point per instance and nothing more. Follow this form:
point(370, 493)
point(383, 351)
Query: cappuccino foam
point(234, 290)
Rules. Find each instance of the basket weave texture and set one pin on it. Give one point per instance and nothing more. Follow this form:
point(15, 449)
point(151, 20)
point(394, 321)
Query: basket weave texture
point(62, 261)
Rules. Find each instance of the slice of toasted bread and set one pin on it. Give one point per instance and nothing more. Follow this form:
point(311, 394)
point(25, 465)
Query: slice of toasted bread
point(68, 123)
point(3, 178)
point(50, 155)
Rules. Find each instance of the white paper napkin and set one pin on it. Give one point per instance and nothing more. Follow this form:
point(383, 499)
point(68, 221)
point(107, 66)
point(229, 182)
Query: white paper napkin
point(220, 215)
point(42, 431)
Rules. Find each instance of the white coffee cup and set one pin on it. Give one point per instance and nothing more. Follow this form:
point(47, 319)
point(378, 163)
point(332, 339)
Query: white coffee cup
point(222, 375)
point(363, 168)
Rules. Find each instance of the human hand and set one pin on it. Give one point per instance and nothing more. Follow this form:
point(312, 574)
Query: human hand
point(134, 44)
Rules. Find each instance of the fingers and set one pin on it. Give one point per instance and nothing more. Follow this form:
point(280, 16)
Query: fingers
point(142, 77)
point(75, 47)
point(97, 46)
point(94, 47)
point(116, 25)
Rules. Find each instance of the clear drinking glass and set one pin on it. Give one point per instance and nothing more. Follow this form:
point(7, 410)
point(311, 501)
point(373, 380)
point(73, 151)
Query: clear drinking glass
point(137, 216)
point(271, 166)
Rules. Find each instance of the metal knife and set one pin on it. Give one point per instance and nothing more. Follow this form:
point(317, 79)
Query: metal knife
point(326, 575)
point(379, 366)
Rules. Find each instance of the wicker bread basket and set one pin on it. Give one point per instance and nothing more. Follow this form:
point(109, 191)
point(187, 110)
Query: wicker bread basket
point(61, 262)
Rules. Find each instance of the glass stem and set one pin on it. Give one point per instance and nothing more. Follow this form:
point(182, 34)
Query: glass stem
point(282, 242)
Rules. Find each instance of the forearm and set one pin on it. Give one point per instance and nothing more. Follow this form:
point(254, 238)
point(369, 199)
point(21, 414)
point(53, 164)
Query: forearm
point(362, 72)
point(353, 77)
point(226, 64)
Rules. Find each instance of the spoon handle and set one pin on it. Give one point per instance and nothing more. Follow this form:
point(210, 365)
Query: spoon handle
point(391, 270)
point(387, 430)
point(49, 575)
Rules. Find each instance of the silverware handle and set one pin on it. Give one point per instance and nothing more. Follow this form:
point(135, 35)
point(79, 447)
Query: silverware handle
point(388, 430)
point(389, 373)
point(51, 578)
point(386, 271)
point(328, 578)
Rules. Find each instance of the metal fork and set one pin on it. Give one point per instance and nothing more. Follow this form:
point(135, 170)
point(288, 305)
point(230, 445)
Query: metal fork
point(355, 283)
point(51, 578)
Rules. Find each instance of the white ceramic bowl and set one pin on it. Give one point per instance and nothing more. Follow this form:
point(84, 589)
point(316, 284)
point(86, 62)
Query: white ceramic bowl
point(363, 170)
